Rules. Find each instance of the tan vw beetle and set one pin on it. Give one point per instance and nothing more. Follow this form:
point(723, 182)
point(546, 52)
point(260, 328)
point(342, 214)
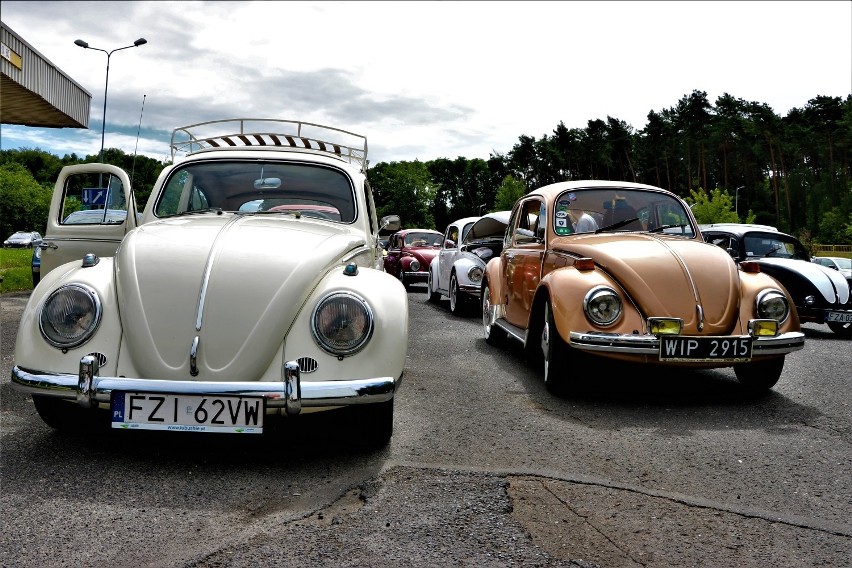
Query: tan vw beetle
point(251, 286)
point(594, 270)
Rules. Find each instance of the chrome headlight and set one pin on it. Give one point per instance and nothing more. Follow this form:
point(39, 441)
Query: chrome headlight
point(342, 323)
point(70, 315)
point(602, 305)
point(772, 304)
point(475, 274)
point(414, 266)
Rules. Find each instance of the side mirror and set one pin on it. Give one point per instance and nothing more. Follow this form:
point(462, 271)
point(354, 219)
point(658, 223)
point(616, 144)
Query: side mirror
point(449, 244)
point(390, 222)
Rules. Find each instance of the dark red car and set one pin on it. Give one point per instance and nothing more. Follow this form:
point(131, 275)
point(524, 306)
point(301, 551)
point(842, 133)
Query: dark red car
point(409, 253)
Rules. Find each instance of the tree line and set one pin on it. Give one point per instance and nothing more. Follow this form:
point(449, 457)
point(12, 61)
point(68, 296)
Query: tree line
point(733, 159)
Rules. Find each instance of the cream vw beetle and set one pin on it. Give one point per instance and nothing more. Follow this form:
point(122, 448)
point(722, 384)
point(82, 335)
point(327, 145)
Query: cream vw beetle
point(251, 286)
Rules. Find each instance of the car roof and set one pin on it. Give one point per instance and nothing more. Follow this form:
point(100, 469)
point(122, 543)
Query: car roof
point(739, 228)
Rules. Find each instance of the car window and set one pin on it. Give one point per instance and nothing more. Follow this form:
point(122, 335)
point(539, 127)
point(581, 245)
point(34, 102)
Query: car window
point(768, 245)
point(423, 239)
point(259, 187)
point(93, 199)
point(452, 235)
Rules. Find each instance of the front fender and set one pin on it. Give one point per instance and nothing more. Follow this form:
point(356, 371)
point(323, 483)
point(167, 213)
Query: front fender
point(493, 276)
point(31, 349)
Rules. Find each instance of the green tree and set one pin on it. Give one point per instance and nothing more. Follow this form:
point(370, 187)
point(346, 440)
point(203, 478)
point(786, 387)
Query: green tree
point(715, 207)
point(405, 189)
point(508, 193)
point(24, 203)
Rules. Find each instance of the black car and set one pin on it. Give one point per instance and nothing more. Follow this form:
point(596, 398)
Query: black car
point(821, 295)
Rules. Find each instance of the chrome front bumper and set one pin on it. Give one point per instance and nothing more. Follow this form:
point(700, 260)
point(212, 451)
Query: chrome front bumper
point(291, 394)
point(650, 344)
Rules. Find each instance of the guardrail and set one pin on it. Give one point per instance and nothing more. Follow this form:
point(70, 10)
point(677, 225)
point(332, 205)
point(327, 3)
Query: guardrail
point(829, 250)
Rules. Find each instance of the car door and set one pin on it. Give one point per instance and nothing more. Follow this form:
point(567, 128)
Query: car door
point(394, 253)
point(447, 256)
point(522, 262)
point(91, 210)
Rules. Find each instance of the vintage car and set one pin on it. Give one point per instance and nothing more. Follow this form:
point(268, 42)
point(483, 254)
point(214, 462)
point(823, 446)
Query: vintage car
point(820, 294)
point(22, 239)
point(457, 270)
point(409, 253)
point(252, 288)
point(643, 288)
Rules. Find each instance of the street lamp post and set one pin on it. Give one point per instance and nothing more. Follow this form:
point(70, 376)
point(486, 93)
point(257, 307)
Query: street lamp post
point(84, 45)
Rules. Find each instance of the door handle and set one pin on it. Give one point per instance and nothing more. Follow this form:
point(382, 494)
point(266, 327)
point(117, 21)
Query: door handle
point(43, 245)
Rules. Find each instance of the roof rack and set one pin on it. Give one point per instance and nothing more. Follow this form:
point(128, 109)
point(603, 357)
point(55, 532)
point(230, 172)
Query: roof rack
point(243, 132)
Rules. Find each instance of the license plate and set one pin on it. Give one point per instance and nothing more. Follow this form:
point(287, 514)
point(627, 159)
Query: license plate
point(679, 348)
point(843, 317)
point(188, 413)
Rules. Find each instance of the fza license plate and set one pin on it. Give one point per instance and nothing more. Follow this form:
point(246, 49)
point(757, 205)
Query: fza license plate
point(680, 348)
point(189, 413)
point(842, 317)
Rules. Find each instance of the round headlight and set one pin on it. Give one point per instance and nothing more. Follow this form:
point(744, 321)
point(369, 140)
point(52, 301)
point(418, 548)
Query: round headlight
point(475, 274)
point(772, 304)
point(602, 305)
point(70, 315)
point(414, 266)
point(342, 323)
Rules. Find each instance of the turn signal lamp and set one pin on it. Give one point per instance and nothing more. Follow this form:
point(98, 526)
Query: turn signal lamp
point(750, 266)
point(584, 264)
point(763, 328)
point(665, 326)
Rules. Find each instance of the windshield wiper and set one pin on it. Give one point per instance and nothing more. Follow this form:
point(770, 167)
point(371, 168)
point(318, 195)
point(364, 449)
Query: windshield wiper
point(218, 211)
point(616, 225)
point(664, 227)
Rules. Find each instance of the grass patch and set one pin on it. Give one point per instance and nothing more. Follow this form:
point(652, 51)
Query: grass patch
point(15, 269)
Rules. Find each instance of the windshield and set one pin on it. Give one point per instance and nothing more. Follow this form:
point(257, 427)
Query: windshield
point(423, 239)
point(771, 245)
point(259, 187)
point(620, 209)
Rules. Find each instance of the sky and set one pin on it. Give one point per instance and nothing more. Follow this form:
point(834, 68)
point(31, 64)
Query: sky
point(423, 80)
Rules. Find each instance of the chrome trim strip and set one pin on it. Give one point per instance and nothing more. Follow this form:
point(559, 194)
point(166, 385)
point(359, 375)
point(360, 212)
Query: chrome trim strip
point(208, 268)
point(277, 394)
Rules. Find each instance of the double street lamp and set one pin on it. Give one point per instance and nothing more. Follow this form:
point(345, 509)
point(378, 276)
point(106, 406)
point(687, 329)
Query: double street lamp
point(84, 45)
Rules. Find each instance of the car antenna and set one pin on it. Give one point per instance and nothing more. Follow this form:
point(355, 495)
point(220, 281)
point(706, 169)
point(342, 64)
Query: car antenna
point(139, 129)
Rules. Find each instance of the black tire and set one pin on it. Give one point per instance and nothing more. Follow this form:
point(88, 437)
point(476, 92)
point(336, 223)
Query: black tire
point(554, 354)
point(401, 276)
point(458, 303)
point(494, 335)
point(760, 376)
point(61, 414)
point(373, 425)
point(431, 295)
point(842, 329)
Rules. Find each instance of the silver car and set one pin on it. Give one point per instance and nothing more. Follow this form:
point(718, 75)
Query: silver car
point(456, 271)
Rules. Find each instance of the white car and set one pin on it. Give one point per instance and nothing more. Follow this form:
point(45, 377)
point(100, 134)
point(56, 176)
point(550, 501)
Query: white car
point(238, 297)
point(838, 263)
point(457, 270)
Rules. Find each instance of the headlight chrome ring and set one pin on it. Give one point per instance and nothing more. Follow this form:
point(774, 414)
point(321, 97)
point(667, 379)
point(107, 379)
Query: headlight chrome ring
point(342, 323)
point(70, 315)
point(602, 306)
point(772, 304)
point(475, 274)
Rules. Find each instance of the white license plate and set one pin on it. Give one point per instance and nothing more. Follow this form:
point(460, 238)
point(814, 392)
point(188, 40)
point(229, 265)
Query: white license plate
point(679, 348)
point(188, 413)
point(843, 317)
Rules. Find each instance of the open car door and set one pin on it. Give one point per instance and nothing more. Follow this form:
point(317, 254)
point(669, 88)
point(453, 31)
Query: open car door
point(91, 210)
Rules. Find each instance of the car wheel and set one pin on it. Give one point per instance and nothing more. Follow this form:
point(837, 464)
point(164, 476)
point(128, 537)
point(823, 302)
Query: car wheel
point(373, 424)
point(554, 354)
point(62, 414)
point(760, 376)
point(842, 329)
point(457, 302)
point(431, 294)
point(494, 335)
point(401, 276)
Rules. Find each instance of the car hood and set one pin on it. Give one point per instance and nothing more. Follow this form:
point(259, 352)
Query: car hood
point(804, 278)
point(236, 283)
point(489, 226)
point(667, 276)
point(423, 254)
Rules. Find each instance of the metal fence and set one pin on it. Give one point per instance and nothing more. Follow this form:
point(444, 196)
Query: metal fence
point(829, 250)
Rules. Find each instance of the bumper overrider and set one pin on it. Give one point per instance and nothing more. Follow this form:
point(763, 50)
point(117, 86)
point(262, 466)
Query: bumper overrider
point(290, 394)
